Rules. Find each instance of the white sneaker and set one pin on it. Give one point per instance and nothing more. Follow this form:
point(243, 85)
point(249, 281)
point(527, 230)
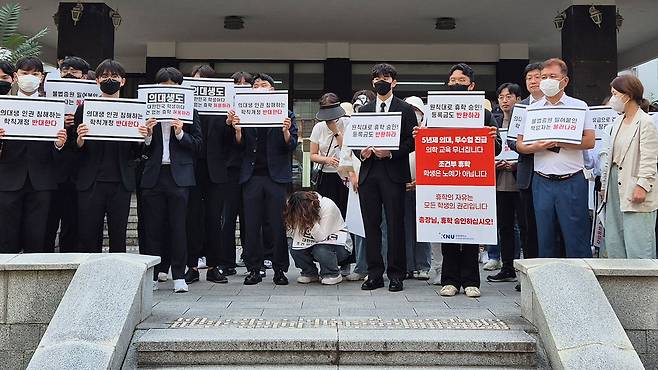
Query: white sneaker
point(422, 275)
point(448, 291)
point(329, 280)
point(201, 264)
point(180, 286)
point(484, 257)
point(493, 265)
point(472, 292)
point(306, 279)
point(437, 277)
point(267, 263)
point(155, 285)
point(162, 277)
point(355, 276)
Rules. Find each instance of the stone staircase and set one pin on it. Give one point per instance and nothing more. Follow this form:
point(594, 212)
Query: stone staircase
point(334, 348)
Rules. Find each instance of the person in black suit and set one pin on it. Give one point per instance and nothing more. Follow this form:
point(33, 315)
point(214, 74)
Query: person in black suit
point(382, 180)
point(106, 176)
point(206, 202)
point(172, 147)
point(63, 214)
point(27, 169)
point(266, 171)
point(460, 261)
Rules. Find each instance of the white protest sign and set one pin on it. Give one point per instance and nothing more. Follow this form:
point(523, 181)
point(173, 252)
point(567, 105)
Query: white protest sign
point(517, 122)
point(455, 109)
point(114, 119)
point(507, 154)
point(601, 116)
point(258, 108)
point(168, 102)
point(72, 90)
point(212, 96)
point(306, 240)
point(378, 130)
point(25, 118)
point(353, 218)
point(555, 123)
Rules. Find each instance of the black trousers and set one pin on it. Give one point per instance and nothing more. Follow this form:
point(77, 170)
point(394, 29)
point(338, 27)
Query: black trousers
point(378, 190)
point(264, 202)
point(63, 215)
point(332, 187)
point(460, 265)
point(165, 210)
point(529, 242)
point(509, 211)
point(232, 208)
point(103, 198)
point(204, 219)
point(23, 218)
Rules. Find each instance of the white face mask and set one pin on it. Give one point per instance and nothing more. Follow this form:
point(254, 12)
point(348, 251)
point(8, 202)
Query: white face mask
point(28, 83)
point(419, 118)
point(617, 103)
point(550, 87)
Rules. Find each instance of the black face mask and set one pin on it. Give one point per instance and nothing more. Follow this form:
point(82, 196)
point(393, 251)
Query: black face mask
point(458, 87)
point(110, 86)
point(5, 87)
point(382, 87)
point(68, 75)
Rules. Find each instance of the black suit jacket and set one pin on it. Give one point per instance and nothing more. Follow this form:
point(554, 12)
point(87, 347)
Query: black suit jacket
point(279, 154)
point(182, 154)
point(398, 166)
point(216, 146)
point(526, 163)
point(20, 159)
point(90, 158)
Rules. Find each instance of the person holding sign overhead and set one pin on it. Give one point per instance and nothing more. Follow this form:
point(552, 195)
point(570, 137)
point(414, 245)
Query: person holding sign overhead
point(382, 180)
point(106, 176)
point(27, 175)
point(629, 174)
point(266, 172)
point(559, 188)
point(172, 147)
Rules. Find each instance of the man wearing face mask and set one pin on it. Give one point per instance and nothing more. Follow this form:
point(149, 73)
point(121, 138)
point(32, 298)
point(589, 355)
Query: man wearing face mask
point(382, 180)
point(559, 188)
point(106, 176)
point(64, 207)
point(27, 175)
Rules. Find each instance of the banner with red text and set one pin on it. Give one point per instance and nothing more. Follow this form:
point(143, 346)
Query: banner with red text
point(258, 108)
point(168, 102)
point(114, 119)
point(212, 96)
point(31, 118)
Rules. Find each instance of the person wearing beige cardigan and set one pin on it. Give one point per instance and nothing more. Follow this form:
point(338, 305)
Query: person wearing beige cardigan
point(629, 174)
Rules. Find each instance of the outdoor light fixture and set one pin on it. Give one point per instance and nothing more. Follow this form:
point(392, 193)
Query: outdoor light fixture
point(595, 15)
point(559, 19)
point(76, 13)
point(445, 23)
point(116, 18)
point(233, 22)
point(619, 20)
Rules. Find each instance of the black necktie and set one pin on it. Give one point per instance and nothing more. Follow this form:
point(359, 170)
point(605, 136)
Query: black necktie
point(383, 107)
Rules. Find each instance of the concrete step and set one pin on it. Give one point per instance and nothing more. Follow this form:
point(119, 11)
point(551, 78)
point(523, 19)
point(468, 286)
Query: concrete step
point(330, 367)
point(329, 346)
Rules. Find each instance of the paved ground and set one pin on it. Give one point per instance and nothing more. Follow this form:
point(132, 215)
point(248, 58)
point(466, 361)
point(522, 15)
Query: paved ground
point(345, 301)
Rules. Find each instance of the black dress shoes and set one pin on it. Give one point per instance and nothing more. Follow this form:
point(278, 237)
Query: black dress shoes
point(372, 284)
point(253, 278)
point(395, 285)
point(215, 275)
point(280, 278)
point(191, 275)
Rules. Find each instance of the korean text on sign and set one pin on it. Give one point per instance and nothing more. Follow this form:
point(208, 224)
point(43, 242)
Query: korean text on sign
point(71, 90)
point(31, 118)
point(261, 108)
point(455, 109)
point(114, 119)
point(378, 130)
point(455, 186)
point(168, 102)
point(212, 96)
point(554, 123)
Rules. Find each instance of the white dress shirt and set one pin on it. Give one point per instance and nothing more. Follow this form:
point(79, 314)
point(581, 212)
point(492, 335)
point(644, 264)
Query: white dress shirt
point(378, 107)
point(166, 135)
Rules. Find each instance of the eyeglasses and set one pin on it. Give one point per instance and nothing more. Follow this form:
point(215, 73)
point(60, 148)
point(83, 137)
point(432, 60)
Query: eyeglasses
point(113, 76)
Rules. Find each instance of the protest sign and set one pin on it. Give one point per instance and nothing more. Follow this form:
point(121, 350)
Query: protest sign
point(25, 118)
point(353, 217)
point(258, 108)
point(114, 119)
point(72, 90)
point(507, 154)
point(455, 108)
point(455, 186)
point(168, 102)
point(517, 122)
point(554, 123)
point(212, 96)
point(377, 130)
